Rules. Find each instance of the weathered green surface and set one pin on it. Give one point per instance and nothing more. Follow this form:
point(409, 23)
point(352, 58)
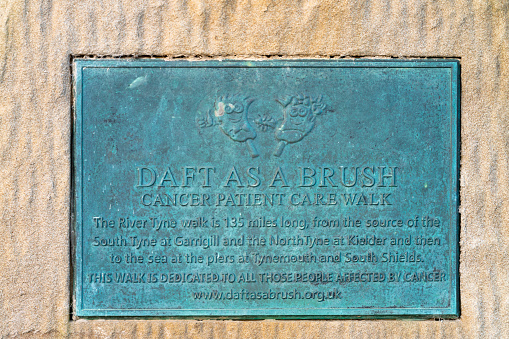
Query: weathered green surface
point(274, 189)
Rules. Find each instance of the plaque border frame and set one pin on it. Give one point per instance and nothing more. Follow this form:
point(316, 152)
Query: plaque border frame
point(451, 312)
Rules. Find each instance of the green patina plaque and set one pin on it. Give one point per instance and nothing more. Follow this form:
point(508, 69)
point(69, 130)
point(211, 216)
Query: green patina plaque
point(266, 189)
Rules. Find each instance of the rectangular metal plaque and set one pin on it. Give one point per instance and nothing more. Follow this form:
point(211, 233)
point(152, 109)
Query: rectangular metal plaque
point(266, 189)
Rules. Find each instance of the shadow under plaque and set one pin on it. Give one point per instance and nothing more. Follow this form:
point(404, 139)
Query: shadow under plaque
point(266, 189)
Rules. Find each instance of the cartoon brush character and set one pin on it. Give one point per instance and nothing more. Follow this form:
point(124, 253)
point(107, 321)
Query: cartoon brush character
point(231, 114)
point(299, 115)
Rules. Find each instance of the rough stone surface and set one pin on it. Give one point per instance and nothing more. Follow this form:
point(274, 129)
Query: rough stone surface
point(38, 38)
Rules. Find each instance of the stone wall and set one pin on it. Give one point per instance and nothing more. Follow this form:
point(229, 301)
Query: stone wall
point(38, 39)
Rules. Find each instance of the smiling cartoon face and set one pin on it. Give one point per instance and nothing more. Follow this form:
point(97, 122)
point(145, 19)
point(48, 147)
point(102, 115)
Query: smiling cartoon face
point(298, 121)
point(297, 116)
point(231, 114)
point(231, 111)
